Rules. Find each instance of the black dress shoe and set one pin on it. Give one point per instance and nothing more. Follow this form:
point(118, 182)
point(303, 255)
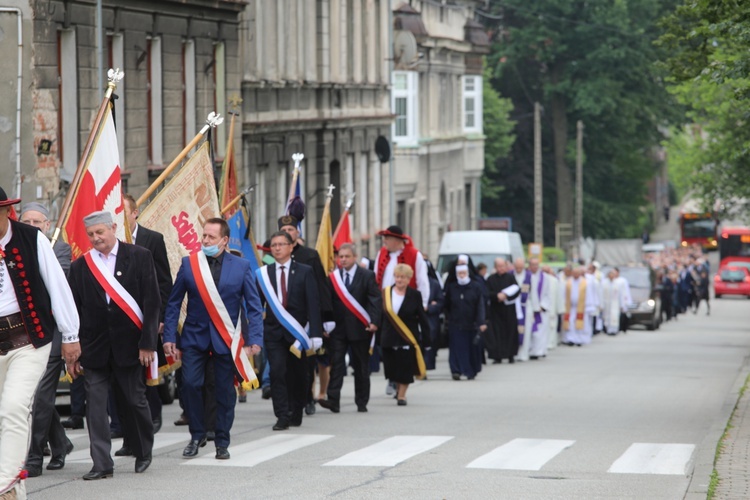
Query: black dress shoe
point(97, 474)
point(362, 408)
point(46, 452)
point(266, 392)
point(456, 376)
point(210, 435)
point(125, 451)
point(74, 422)
point(329, 405)
point(310, 408)
point(183, 420)
point(281, 425)
point(141, 464)
point(157, 424)
point(115, 434)
point(58, 461)
point(33, 470)
point(191, 449)
point(222, 453)
point(402, 402)
point(533, 357)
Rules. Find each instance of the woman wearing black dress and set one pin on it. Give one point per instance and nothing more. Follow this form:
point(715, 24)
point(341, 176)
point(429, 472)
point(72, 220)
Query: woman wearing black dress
point(404, 332)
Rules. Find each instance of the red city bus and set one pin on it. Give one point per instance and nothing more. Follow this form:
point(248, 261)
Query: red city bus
point(698, 227)
point(734, 242)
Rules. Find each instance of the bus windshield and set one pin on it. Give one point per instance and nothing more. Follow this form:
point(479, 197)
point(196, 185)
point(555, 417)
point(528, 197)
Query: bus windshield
point(734, 245)
point(698, 228)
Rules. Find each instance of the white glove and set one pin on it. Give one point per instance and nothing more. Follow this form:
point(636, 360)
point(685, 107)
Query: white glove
point(328, 326)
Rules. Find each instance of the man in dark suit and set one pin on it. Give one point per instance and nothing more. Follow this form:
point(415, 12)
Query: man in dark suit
point(45, 424)
point(218, 286)
point(351, 332)
point(153, 242)
point(310, 257)
point(295, 288)
point(117, 296)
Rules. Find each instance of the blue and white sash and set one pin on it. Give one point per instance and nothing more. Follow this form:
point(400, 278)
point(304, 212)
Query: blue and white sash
point(303, 342)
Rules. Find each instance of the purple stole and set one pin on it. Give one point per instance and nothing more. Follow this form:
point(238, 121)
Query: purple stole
point(525, 290)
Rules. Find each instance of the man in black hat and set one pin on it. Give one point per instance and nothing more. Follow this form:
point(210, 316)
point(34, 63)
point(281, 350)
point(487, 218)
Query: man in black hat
point(398, 249)
point(310, 257)
point(45, 425)
point(32, 284)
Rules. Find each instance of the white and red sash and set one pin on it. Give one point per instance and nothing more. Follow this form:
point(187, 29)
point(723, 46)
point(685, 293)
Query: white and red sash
point(114, 288)
point(348, 299)
point(230, 333)
point(351, 303)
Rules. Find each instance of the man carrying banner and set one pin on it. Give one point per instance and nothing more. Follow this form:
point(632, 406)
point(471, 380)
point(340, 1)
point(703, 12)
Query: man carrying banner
point(33, 285)
point(291, 295)
point(217, 285)
point(356, 306)
point(117, 296)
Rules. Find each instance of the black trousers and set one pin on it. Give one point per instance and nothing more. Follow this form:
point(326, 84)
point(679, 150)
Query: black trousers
point(288, 380)
point(129, 388)
point(360, 356)
point(45, 424)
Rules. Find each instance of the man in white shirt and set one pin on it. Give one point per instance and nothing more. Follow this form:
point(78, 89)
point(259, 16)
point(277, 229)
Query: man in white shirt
point(32, 284)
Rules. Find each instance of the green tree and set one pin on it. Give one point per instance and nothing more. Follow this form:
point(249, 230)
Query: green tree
point(499, 136)
point(709, 65)
point(593, 61)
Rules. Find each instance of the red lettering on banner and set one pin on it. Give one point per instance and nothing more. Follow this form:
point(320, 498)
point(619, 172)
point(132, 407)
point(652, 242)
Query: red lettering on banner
point(186, 234)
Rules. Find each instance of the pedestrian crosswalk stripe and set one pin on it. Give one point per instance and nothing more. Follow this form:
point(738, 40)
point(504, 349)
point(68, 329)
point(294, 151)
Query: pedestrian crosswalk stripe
point(161, 440)
point(522, 454)
point(654, 458)
point(390, 452)
point(256, 452)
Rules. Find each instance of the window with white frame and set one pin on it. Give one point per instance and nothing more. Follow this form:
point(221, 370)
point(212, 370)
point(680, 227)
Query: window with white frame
point(472, 87)
point(405, 107)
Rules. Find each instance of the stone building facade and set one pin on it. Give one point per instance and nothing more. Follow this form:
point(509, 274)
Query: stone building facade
point(315, 80)
point(437, 100)
point(180, 60)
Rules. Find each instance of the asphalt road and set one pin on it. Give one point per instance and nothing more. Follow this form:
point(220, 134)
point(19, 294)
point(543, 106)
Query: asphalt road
point(626, 417)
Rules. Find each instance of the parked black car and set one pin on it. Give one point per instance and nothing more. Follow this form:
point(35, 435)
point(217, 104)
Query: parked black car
point(645, 293)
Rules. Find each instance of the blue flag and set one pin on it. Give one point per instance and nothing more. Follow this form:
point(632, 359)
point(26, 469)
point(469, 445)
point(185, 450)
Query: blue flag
point(239, 238)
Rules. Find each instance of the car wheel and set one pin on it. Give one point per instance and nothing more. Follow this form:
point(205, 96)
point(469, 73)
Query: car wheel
point(652, 325)
point(168, 389)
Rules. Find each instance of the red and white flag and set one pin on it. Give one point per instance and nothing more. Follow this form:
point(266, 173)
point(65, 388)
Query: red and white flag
point(100, 187)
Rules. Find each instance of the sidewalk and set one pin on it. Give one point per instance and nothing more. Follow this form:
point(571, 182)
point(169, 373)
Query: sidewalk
point(733, 459)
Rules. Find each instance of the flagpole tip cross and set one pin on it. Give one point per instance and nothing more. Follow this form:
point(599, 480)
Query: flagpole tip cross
point(329, 193)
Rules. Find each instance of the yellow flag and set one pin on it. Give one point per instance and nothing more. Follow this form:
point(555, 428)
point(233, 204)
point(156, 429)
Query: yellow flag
point(324, 246)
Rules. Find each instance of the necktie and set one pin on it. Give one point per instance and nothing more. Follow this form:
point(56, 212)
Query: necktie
point(283, 287)
point(346, 279)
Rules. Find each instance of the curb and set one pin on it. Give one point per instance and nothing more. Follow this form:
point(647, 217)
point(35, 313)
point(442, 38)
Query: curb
point(706, 453)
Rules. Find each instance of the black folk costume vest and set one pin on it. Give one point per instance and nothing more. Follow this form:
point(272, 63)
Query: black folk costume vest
point(22, 262)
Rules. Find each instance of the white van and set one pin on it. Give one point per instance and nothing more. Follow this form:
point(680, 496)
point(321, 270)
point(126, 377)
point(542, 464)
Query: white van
point(481, 246)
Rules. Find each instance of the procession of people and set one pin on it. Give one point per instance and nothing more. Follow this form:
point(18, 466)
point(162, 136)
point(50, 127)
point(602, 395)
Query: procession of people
point(118, 306)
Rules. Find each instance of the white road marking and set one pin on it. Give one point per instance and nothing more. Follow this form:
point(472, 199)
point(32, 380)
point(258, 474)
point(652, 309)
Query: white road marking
point(262, 450)
point(161, 440)
point(391, 451)
point(654, 458)
point(521, 454)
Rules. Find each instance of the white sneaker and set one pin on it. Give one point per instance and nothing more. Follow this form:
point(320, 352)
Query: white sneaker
point(390, 389)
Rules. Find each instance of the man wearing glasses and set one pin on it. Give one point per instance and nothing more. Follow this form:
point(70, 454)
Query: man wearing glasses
point(45, 424)
point(292, 328)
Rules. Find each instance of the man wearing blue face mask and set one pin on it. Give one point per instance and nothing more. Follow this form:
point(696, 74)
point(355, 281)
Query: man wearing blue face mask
point(218, 286)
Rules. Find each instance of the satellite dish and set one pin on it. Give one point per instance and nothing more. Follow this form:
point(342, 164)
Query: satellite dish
point(382, 149)
point(404, 48)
